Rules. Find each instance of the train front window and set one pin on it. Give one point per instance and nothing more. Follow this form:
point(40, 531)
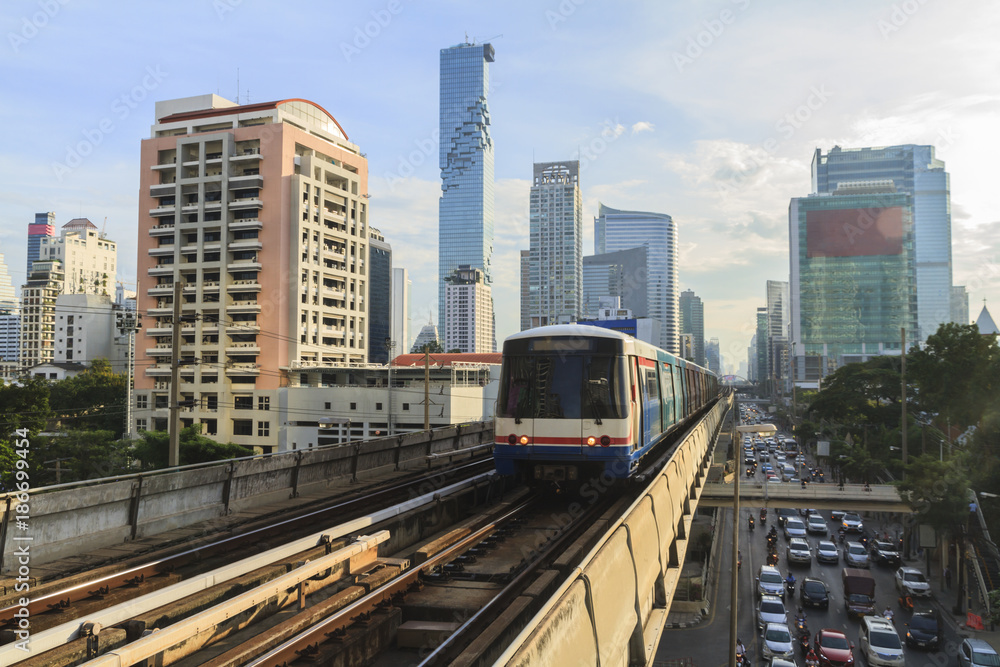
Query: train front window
point(562, 386)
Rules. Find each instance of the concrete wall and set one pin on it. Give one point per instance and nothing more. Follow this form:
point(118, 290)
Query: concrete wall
point(93, 515)
point(617, 602)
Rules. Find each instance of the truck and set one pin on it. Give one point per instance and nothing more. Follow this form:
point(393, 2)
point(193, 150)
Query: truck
point(859, 591)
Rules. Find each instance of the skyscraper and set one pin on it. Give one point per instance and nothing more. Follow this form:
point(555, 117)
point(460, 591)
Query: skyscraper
point(379, 298)
point(959, 304)
point(852, 276)
point(713, 356)
point(621, 230)
point(777, 329)
point(465, 210)
point(10, 320)
point(525, 305)
point(401, 310)
point(43, 226)
point(621, 274)
point(556, 251)
point(261, 211)
point(914, 170)
point(692, 312)
point(469, 305)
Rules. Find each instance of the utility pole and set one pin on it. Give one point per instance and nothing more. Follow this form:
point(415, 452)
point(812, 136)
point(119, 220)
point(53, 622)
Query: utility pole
point(427, 390)
point(390, 344)
point(736, 541)
point(174, 454)
point(902, 373)
point(128, 324)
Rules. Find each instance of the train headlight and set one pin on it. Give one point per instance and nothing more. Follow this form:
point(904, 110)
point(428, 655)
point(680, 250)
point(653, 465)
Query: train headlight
point(605, 441)
point(512, 439)
point(591, 441)
point(523, 440)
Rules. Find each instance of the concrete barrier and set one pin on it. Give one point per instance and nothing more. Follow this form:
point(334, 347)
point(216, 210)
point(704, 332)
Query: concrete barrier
point(71, 519)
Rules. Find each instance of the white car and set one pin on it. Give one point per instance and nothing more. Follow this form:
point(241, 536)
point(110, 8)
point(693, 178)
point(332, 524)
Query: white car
point(826, 552)
point(777, 642)
point(816, 524)
point(770, 610)
point(852, 523)
point(794, 528)
point(879, 643)
point(770, 582)
point(911, 581)
point(855, 555)
point(798, 551)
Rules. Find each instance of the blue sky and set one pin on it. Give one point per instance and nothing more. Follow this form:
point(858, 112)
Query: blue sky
point(708, 111)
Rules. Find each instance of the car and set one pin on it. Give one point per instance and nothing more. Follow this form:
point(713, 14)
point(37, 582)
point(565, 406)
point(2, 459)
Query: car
point(778, 662)
point(837, 515)
point(777, 642)
point(814, 592)
point(794, 528)
point(974, 652)
point(884, 553)
point(770, 609)
point(879, 643)
point(816, 525)
point(833, 648)
point(924, 630)
point(911, 581)
point(855, 555)
point(770, 582)
point(788, 472)
point(783, 514)
point(852, 523)
point(826, 552)
point(798, 551)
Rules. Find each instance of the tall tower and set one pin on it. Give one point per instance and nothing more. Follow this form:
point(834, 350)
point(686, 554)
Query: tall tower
point(525, 289)
point(10, 319)
point(465, 210)
point(692, 312)
point(400, 318)
point(44, 226)
point(556, 250)
point(380, 299)
point(913, 170)
point(469, 306)
point(261, 211)
point(621, 230)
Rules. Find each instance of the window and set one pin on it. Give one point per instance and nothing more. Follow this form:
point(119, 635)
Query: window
point(326, 406)
point(160, 401)
point(263, 402)
point(141, 402)
point(243, 402)
point(211, 427)
point(140, 424)
point(263, 429)
point(242, 427)
point(406, 406)
point(378, 406)
point(354, 406)
point(211, 402)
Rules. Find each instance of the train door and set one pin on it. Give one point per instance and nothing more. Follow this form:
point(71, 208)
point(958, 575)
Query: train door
point(651, 412)
point(635, 400)
point(667, 398)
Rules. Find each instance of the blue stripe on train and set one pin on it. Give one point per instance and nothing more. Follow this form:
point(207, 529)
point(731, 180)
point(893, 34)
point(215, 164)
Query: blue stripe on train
point(618, 461)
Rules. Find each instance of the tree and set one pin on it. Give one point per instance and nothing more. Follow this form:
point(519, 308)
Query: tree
point(434, 347)
point(22, 406)
point(937, 490)
point(81, 454)
point(93, 400)
point(861, 393)
point(152, 448)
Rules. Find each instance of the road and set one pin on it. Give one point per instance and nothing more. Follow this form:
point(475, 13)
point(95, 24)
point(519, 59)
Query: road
point(707, 643)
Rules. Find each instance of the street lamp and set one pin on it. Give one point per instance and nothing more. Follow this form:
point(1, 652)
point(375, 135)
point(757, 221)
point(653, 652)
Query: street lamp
point(390, 345)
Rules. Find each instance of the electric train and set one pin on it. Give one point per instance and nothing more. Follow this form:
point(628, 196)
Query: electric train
point(578, 401)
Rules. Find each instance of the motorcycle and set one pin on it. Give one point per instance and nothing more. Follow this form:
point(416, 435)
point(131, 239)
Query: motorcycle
point(751, 523)
point(906, 603)
point(790, 587)
point(804, 643)
point(772, 557)
point(811, 659)
point(763, 517)
point(772, 540)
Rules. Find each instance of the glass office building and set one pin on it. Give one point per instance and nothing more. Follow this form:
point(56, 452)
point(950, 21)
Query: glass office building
point(692, 312)
point(853, 282)
point(465, 210)
point(555, 259)
point(914, 170)
point(616, 230)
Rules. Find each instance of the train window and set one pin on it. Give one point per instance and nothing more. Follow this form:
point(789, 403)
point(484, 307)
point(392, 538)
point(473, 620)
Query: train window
point(667, 384)
point(562, 386)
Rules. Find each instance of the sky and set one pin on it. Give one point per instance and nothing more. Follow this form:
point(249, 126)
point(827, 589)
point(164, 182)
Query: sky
point(706, 110)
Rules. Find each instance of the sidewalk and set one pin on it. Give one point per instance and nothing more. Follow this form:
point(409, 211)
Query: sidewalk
point(945, 599)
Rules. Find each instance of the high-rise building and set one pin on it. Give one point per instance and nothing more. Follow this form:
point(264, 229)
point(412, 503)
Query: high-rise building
point(913, 170)
point(761, 371)
point(8, 295)
point(10, 322)
point(959, 304)
point(852, 276)
point(465, 211)
point(777, 330)
point(469, 304)
point(44, 226)
point(622, 274)
point(400, 317)
point(380, 299)
point(38, 312)
point(556, 251)
point(427, 336)
point(616, 230)
point(525, 305)
point(713, 355)
point(85, 331)
point(88, 258)
point(692, 312)
point(260, 210)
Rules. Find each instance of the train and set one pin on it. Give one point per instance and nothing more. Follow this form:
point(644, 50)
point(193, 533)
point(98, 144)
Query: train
point(577, 402)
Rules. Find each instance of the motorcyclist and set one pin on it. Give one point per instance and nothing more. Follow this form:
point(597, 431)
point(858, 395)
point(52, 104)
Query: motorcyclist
point(751, 522)
point(790, 582)
point(741, 650)
point(887, 614)
point(763, 515)
point(800, 616)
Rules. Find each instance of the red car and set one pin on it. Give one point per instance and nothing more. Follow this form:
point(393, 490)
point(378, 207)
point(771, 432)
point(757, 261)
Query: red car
point(833, 648)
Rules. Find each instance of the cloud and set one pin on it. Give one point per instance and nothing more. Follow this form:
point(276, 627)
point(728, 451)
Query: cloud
point(642, 126)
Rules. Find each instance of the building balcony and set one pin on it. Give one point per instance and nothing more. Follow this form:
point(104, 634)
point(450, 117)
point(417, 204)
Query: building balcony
point(242, 327)
point(158, 370)
point(243, 369)
point(162, 189)
point(158, 351)
point(248, 181)
point(160, 289)
point(245, 223)
point(245, 203)
point(245, 244)
point(161, 311)
point(165, 166)
point(162, 251)
point(246, 155)
point(334, 254)
point(243, 286)
point(162, 210)
point(243, 348)
point(162, 386)
point(162, 229)
point(244, 265)
point(210, 286)
point(160, 331)
point(165, 270)
point(243, 307)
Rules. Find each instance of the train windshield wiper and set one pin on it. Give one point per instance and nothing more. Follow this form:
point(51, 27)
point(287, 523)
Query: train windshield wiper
point(593, 401)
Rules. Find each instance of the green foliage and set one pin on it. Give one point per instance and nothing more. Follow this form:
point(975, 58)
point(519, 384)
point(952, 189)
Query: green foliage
point(152, 450)
point(81, 455)
point(858, 394)
point(434, 347)
point(93, 400)
point(24, 405)
point(938, 492)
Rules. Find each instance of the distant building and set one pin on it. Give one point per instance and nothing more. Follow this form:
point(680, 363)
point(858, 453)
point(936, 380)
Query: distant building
point(43, 227)
point(985, 322)
point(621, 274)
point(85, 331)
point(38, 313)
point(959, 304)
point(469, 310)
point(400, 317)
point(686, 345)
point(692, 312)
point(428, 334)
point(10, 323)
point(616, 230)
point(777, 331)
point(611, 315)
point(713, 356)
point(88, 258)
point(556, 252)
point(379, 297)
point(465, 210)
point(525, 290)
point(761, 372)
